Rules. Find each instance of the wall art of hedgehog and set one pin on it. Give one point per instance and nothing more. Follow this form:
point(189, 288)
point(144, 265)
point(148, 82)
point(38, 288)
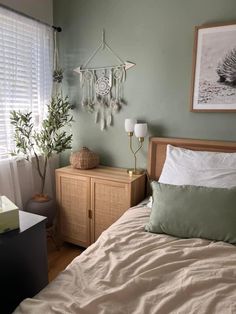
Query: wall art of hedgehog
point(226, 68)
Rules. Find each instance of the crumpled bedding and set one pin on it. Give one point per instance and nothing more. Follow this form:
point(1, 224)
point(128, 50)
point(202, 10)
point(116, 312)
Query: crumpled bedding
point(128, 270)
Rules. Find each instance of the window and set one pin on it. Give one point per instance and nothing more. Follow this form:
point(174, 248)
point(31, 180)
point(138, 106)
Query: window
point(26, 55)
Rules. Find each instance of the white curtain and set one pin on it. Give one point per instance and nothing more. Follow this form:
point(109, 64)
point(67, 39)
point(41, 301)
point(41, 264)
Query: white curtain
point(9, 183)
point(26, 66)
point(19, 180)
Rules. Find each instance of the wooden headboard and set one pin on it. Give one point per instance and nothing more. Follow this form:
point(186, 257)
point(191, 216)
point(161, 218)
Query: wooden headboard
point(157, 150)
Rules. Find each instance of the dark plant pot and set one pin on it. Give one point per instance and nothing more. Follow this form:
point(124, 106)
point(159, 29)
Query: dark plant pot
point(45, 208)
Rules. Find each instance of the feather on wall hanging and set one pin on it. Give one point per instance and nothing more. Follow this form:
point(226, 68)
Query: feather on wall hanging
point(103, 87)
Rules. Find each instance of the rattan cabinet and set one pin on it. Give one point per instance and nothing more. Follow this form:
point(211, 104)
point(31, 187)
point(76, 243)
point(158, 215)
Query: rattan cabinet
point(89, 201)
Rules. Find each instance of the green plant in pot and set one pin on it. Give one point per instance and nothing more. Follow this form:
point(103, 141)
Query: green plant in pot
point(38, 146)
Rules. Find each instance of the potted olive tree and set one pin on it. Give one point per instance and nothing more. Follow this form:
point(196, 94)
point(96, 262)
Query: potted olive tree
point(39, 146)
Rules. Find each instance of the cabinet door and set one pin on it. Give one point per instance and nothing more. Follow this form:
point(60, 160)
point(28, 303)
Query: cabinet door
point(73, 196)
point(109, 200)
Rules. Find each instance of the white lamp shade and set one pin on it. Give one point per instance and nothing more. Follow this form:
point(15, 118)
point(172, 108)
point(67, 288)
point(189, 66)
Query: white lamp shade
point(129, 125)
point(140, 129)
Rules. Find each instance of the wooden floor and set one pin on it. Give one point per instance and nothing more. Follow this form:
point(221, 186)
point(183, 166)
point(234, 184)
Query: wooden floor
point(58, 259)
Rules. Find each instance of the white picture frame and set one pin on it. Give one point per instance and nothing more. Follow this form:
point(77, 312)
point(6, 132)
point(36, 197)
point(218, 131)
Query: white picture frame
point(214, 69)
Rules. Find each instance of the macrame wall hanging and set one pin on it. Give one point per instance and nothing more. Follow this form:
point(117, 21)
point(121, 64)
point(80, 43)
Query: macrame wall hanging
point(102, 87)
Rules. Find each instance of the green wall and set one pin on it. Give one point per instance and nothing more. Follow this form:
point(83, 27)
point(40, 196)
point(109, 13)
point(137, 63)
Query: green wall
point(41, 10)
point(158, 36)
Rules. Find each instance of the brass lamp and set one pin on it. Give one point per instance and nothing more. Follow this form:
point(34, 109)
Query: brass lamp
point(140, 131)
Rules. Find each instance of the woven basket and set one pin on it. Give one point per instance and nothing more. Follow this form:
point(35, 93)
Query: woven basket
point(84, 159)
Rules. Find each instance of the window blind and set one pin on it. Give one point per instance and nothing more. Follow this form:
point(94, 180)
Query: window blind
point(26, 63)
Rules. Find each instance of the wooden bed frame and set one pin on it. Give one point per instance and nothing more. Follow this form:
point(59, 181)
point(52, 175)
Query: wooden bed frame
point(157, 150)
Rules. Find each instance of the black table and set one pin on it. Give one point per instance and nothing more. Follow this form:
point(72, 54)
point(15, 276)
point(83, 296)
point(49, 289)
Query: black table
point(23, 261)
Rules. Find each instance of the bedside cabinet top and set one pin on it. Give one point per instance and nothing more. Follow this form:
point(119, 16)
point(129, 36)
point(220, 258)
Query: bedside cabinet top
point(102, 172)
point(26, 222)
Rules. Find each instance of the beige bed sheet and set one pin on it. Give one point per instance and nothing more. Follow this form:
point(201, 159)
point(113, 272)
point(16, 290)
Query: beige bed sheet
point(131, 271)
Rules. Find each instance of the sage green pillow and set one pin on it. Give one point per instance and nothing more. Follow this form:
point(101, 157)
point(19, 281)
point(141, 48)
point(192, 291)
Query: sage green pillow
point(188, 211)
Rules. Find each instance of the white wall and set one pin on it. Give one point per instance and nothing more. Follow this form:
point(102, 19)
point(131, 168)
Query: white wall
point(39, 9)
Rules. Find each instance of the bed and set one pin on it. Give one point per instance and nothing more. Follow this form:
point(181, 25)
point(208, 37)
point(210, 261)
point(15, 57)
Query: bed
point(129, 270)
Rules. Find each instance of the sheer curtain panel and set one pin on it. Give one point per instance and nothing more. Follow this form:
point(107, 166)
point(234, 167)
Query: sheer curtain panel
point(26, 65)
point(26, 48)
point(19, 179)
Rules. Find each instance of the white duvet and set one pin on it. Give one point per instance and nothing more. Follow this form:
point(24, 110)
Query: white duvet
point(131, 271)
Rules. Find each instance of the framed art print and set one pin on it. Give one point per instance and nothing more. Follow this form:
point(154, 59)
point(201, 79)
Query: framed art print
point(214, 69)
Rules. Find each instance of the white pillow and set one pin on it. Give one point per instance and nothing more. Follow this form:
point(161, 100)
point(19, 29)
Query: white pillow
point(187, 167)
